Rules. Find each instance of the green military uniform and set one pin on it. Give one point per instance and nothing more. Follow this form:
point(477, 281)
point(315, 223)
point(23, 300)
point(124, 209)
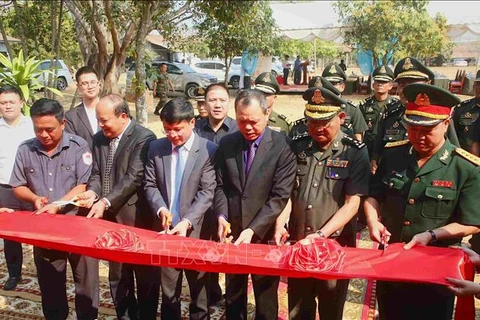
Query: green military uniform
point(413, 200)
point(278, 122)
point(464, 116)
point(161, 91)
point(323, 179)
point(268, 85)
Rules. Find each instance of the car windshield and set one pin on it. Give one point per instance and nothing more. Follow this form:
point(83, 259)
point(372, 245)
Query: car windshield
point(185, 68)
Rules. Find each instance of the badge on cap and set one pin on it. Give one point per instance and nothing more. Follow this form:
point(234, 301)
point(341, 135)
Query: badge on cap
point(407, 64)
point(442, 183)
point(87, 158)
point(422, 99)
point(383, 70)
point(317, 97)
point(332, 70)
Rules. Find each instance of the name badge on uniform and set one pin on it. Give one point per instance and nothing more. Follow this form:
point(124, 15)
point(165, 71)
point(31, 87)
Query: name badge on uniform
point(442, 183)
point(87, 158)
point(337, 163)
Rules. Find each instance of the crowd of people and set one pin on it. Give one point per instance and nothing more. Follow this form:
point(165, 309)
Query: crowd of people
point(401, 166)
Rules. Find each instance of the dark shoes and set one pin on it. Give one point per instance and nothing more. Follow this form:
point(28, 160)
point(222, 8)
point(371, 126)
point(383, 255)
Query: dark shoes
point(11, 283)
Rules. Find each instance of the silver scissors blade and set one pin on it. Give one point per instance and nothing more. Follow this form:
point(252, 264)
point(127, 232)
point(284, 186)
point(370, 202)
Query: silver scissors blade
point(62, 203)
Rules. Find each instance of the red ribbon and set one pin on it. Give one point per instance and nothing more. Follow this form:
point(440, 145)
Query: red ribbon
point(79, 235)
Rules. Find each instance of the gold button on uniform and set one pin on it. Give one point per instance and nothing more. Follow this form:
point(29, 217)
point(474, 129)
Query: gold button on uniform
point(406, 223)
point(416, 179)
point(309, 207)
point(315, 185)
point(308, 229)
point(440, 197)
point(411, 201)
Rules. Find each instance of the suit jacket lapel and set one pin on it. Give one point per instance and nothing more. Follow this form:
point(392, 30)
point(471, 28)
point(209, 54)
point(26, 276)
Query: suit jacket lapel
point(239, 148)
point(262, 153)
point(82, 115)
point(191, 160)
point(124, 141)
point(167, 169)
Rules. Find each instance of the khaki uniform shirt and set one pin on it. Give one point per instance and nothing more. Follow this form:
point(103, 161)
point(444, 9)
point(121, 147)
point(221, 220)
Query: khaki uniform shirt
point(445, 190)
point(323, 180)
point(278, 122)
point(162, 84)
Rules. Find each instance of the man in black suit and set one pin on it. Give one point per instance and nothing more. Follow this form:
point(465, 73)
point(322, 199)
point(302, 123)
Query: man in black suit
point(255, 177)
point(180, 181)
point(119, 155)
point(82, 120)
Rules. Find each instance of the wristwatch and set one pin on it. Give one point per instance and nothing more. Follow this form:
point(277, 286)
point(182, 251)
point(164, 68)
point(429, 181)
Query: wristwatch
point(107, 206)
point(433, 235)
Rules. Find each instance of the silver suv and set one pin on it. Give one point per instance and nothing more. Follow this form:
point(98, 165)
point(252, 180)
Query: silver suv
point(184, 78)
point(64, 77)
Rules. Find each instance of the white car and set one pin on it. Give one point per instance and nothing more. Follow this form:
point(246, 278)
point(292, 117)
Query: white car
point(64, 77)
point(459, 63)
point(276, 66)
point(217, 69)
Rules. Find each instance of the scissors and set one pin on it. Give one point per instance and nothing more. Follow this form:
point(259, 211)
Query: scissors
point(384, 238)
point(62, 203)
point(226, 232)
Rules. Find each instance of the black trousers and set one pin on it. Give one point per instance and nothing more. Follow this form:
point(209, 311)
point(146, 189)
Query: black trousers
point(413, 301)
point(13, 250)
point(286, 72)
point(122, 278)
point(265, 289)
point(52, 277)
point(171, 281)
point(331, 294)
point(297, 76)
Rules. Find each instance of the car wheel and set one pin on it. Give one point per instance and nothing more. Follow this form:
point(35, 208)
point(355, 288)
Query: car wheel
point(62, 84)
point(190, 90)
point(274, 73)
point(235, 82)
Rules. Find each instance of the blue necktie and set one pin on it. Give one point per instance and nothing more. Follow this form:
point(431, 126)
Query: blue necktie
point(179, 168)
point(250, 157)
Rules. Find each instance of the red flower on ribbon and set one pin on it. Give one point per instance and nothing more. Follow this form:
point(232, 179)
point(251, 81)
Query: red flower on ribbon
point(122, 239)
point(317, 255)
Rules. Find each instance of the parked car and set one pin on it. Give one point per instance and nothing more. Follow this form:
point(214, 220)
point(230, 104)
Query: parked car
point(183, 77)
point(276, 68)
point(64, 77)
point(459, 63)
point(217, 68)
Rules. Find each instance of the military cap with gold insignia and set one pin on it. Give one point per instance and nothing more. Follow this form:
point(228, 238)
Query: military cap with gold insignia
point(477, 77)
point(334, 73)
point(382, 73)
point(428, 105)
point(413, 69)
point(322, 104)
point(321, 82)
point(199, 93)
point(267, 83)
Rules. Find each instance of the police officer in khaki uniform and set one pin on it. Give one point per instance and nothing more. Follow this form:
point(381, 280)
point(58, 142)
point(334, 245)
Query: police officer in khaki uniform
point(266, 83)
point(425, 192)
point(330, 179)
point(391, 128)
point(353, 125)
point(373, 107)
point(200, 98)
point(465, 116)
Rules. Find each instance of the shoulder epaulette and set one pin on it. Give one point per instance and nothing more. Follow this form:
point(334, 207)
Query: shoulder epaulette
point(350, 102)
point(300, 136)
point(353, 142)
point(467, 155)
point(299, 121)
point(396, 144)
point(284, 118)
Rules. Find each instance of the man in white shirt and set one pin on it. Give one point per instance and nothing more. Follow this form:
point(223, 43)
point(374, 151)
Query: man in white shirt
point(82, 120)
point(14, 128)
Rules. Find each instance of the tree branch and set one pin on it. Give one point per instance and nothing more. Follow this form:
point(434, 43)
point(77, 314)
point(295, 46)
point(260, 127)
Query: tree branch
point(111, 26)
point(77, 14)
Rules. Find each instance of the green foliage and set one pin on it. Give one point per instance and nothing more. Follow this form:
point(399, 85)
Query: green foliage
point(401, 26)
point(294, 47)
point(230, 27)
point(23, 74)
point(34, 18)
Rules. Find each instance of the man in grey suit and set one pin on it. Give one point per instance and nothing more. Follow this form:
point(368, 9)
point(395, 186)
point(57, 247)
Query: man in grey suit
point(255, 177)
point(179, 185)
point(82, 120)
point(115, 193)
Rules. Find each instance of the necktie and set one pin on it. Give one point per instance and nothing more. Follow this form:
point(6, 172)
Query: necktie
point(250, 158)
point(179, 168)
point(108, 166)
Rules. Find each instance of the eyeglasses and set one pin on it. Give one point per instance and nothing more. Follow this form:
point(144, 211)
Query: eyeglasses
point(87, 84)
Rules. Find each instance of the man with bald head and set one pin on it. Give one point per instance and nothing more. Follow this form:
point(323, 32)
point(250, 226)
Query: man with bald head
point(114, 193)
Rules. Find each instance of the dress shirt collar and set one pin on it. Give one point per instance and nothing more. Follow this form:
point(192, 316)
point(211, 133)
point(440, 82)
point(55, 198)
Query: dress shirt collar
point(23, 119)
point(64, 143)
point(121, 134)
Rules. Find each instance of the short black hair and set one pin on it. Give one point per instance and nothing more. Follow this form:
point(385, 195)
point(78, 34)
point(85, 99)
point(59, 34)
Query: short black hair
point(177, 110)
point(11, 89)
point(84, 70)
point(246, 97)
point(47, 107)
point(216, 85)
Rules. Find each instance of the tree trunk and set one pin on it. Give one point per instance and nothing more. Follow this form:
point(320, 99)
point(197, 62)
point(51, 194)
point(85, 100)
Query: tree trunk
point(5, 39)
point(20, 16)
point(141, 107)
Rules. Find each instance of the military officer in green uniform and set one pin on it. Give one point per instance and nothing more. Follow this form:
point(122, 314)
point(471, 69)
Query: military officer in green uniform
point(353, 125)
point(160, 88)
point(200, 98)
point(330, 179)
point(266, 83)
point(391, 128)
point(425, 192)
point(465, 115)
point(373, 107)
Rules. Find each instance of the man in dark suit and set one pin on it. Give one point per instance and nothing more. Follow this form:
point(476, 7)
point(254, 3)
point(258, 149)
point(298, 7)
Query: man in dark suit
point(255, 176)
point(119, 155)
point(180, 181)
point(82, 120)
